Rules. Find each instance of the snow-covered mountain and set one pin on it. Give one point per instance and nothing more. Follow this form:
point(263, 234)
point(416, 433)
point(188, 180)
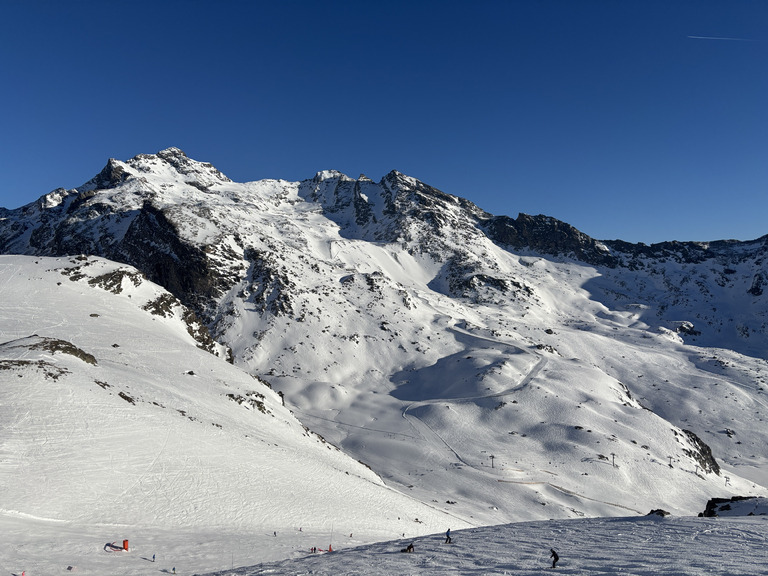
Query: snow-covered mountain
point(490, 368)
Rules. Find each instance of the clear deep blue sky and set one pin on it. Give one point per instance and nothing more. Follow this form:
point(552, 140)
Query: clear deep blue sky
point(645, 120)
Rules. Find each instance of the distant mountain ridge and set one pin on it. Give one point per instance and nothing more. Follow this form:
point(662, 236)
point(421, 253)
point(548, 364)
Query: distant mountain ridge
point(125, 214)
point(347, 293)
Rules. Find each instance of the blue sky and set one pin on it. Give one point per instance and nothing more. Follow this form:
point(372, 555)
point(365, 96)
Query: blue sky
point(642, 120)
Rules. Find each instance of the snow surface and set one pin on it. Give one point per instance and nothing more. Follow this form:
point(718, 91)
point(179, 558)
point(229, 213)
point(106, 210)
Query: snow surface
point(681, 546)
point(205, 483)
point(115, 425)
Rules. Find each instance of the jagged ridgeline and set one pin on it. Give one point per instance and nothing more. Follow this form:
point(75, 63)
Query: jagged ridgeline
point(521, 343)
point(192, 230)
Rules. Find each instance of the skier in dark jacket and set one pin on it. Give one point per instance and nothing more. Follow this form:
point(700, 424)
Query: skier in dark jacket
point(554, 557)
point(448, 536)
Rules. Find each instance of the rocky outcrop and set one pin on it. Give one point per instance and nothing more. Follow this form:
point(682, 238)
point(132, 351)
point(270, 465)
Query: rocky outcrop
point(701, 453)
point(632, 255)
point(112, 176)
point(758, 281)
point(717, 506)
point(548, 236)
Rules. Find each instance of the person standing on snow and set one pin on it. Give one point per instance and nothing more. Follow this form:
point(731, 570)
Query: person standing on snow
point(554, 557)
point(448, 536)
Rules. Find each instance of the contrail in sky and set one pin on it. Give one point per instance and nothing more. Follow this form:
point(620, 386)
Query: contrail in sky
point(720, 38)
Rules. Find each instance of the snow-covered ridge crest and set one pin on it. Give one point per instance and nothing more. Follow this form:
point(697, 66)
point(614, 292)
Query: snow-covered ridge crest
point(170, 164)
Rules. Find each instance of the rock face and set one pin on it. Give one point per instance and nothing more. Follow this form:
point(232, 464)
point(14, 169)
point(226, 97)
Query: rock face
point(548, 236)
point(701, 453)
point(736, 506)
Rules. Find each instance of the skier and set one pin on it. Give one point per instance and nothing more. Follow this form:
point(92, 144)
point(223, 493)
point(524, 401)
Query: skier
point(448, 536)
point(554, 557)
point(153, 557)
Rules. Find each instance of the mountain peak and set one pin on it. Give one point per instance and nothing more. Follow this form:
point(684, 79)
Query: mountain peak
point(324, 175)
point(200, 174)
point(172, 152)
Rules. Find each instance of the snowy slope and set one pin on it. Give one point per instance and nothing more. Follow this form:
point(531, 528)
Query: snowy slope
point(496, 370)
point(114, 423)
point(679, 546)
point(638, 546)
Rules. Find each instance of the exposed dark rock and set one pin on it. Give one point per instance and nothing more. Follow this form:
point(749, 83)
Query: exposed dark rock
point(549, 236)
point(688, 329)
point(632, 255)
point(113, 282)
point(716, 505)
point(758, 282)
point(155, 234)
point(270, 283)
point(54, 345)
point(153, 245)
point(167, 305)
point(111, 176)
point(702, 453)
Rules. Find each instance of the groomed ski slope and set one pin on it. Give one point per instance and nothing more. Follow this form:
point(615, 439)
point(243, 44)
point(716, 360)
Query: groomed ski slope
point(114, 425)
point(637, 546)
point(679, 546)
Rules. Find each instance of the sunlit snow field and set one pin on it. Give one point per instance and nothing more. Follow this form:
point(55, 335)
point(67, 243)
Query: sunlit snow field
point(631, 546)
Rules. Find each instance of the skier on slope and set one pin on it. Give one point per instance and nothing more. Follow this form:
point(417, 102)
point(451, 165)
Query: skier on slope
point(554, 557)
point(448, 536)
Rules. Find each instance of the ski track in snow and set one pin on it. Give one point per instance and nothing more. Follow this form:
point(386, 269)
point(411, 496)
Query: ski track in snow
point(638, 547)
point(674, 546)
point(422, 426)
